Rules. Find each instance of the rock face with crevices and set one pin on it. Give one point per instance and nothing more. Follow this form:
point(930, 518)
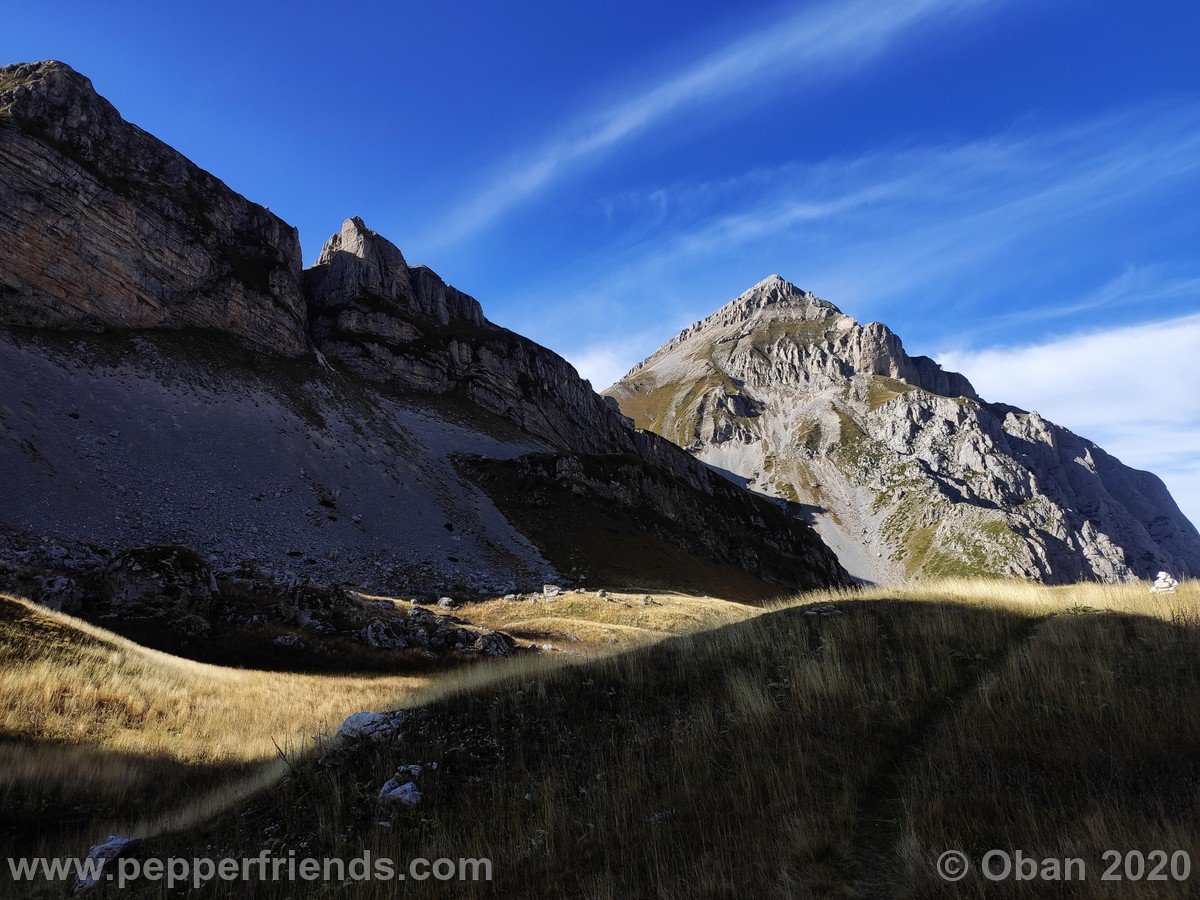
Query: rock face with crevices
point(906, 471)
point(103, 226)
point(343, 465)
point(401, 325)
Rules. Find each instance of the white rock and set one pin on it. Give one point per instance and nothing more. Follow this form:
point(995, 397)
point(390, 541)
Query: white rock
point(1164, 584)
point(402, 788)
point(371, 726)
point(114, 848)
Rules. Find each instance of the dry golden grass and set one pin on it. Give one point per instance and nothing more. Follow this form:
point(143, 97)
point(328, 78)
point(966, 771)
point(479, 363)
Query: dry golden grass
point(98, 728)
point(1096, 718)
point(792, 754)
point(580, 621)
point(1025, 596)
point(102, 734)
point(66, 680)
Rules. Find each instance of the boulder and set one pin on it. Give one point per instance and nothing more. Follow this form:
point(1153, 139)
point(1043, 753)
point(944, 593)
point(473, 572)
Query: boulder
point(371, 726)
point(1164, 584)
point(385, 634)
point(114, 848)
point(58, 592)
point(401, 789)
point(494, 643)
point(159, 582)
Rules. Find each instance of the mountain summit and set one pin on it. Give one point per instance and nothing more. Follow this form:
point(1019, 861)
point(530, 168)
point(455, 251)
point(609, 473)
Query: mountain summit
point(904, 469)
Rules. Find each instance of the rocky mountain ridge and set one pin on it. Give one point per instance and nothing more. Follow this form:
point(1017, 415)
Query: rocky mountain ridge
point(131, 283)
point(905, 470)
point(104, 226)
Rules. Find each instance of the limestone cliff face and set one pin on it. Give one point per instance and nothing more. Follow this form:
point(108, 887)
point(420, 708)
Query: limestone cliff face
point(404, 327)
point(102, 226)
point(392, 323)
point(907, 472)
point(344, 463)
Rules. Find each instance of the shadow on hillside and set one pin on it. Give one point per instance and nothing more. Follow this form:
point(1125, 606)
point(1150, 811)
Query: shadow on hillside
point(805, 512)
point(60, 798)
point(820, 750)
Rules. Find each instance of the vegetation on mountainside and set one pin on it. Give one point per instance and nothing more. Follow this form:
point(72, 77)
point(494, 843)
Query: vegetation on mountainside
point(98, 729)
point(882, 389)
point(584, 622)
point(800, 332)
point(833, 747)
point(100, 734)
point(670, 410)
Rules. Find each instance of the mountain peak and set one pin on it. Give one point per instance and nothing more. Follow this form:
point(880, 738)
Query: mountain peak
point(17, 75)
point(358, 262)
point(59, 101)
point(775, 290)
point(359, 240)
point(906, 471)
point(362, 271)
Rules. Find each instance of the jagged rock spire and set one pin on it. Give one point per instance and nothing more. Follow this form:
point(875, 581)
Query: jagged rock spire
point(362, 270)
point(356, 263)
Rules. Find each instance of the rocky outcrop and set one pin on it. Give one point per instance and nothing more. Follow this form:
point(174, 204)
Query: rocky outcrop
point(342, 469)
point(168, 587)
point(169, 597)
point(904, 469)
point(160, 582)
point(401, 325)
point(362, 286)
point(103, 226)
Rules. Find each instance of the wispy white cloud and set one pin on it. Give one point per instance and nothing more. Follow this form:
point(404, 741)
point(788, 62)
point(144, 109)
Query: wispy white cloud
point(1135, 285)
point(813, 45)
point(881, 228)
point(1131, 389)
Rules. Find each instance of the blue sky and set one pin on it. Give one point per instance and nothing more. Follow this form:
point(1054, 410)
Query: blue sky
point(1012, 185)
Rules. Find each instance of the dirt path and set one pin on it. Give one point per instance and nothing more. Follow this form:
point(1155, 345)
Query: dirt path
point(878, 818)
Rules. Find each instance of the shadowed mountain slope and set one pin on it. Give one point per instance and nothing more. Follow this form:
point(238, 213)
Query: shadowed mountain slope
point(170, 375)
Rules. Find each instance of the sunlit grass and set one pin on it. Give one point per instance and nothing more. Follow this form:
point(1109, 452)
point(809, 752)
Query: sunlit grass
point(751, 759)
point(104, 734)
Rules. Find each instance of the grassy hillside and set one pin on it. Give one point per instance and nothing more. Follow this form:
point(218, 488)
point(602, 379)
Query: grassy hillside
point(95, 728)
point(100, 734)
point(583, 622)
point(830, 748)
